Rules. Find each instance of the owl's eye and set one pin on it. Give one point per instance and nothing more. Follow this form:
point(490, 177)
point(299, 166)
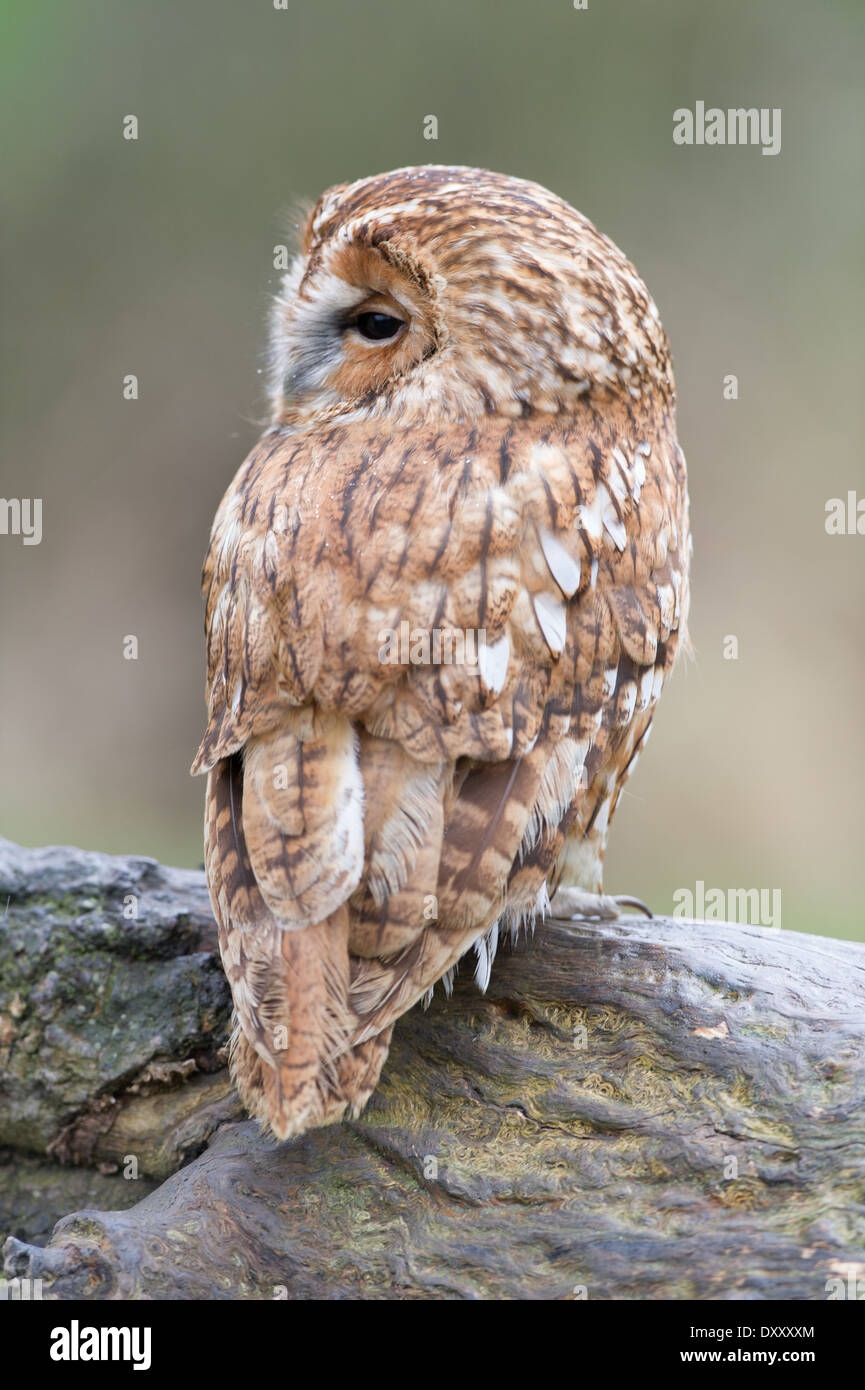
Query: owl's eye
point(377, 328)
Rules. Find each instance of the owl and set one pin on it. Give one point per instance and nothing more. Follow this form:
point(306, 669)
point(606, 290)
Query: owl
point(443, 594)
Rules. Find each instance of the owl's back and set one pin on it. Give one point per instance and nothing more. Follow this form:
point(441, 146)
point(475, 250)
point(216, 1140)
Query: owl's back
point(433, 654)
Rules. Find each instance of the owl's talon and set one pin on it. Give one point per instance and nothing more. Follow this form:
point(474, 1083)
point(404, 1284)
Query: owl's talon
point(580, 905)
point(624, 900)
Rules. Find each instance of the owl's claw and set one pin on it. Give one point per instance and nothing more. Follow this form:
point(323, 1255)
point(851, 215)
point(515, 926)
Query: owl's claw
point(598, 907)
point(624, 900)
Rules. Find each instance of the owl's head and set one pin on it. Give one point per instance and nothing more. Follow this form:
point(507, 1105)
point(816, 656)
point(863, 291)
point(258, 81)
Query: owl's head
point(460, 291)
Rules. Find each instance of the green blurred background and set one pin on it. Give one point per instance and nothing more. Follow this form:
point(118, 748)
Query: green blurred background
point(155, 258)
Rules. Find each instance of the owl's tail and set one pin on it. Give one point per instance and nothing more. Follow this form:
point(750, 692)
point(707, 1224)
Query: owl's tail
point(291, 1055)
point(346, 878)
point(284, 850)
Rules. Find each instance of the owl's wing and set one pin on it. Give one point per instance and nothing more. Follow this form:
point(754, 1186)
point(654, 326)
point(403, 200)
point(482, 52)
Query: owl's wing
point(427, 648)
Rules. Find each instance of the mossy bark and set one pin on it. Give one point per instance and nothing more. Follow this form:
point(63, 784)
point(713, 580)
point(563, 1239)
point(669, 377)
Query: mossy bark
point(641, 1109)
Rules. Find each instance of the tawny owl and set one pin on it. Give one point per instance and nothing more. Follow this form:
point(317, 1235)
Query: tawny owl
point(443, 594)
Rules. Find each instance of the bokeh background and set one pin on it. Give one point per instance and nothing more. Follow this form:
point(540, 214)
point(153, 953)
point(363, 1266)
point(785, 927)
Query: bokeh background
point(155, 258)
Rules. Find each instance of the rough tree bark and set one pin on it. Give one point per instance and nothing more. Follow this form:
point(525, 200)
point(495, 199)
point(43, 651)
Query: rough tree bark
point(642, 1109)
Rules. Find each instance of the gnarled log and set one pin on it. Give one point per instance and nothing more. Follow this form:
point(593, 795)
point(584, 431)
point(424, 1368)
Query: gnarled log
point(634, 1109)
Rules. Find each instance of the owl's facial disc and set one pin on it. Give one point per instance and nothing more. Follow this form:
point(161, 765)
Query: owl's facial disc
point(351, 323)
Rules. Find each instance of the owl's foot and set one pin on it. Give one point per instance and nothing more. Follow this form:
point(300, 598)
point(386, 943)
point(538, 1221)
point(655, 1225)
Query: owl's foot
point(598, 907)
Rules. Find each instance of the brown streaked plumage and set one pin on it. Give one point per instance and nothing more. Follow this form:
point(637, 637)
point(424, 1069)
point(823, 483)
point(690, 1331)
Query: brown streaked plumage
point(473, 431)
